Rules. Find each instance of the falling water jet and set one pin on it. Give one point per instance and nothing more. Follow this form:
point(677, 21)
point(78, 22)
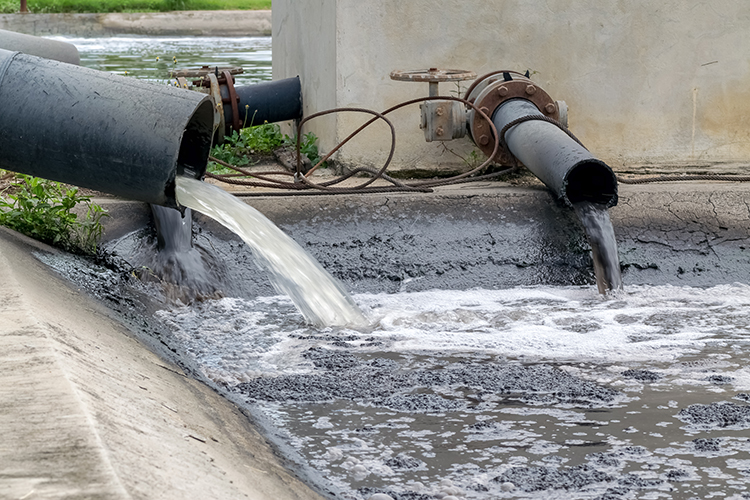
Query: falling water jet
point(598, 227)
point(317, 295)
point(185, 271)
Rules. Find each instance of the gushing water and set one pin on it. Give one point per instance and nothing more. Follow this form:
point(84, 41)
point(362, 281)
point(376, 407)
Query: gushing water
point(601, 235)
point(316, 294)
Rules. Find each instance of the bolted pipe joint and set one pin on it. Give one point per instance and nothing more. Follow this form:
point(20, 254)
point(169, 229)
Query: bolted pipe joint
point(534, 132)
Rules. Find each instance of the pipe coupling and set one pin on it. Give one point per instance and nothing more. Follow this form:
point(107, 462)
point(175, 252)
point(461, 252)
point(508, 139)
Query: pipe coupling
point(490, 92)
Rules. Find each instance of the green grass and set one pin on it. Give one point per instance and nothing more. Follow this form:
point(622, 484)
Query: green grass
point(57, 6)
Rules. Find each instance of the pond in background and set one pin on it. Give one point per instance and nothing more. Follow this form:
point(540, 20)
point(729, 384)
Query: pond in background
point(154, 58)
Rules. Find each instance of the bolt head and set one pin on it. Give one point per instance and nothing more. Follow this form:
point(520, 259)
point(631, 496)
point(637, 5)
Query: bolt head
point(484, 140)
point(550, 108)
point(439, 111)
point(502, 91)
point(530, 89)
point(439, 132)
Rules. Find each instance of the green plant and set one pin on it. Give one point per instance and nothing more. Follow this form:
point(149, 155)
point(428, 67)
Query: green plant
point(260, 139)
point(308, 147)
point(43, 210)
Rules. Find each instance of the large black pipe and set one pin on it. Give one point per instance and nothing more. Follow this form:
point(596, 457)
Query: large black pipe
point(565, 166)
point(101, 131)
point(271, 102)
point(41, 47)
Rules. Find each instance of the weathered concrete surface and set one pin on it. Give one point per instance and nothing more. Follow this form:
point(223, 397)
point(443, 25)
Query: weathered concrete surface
point(87, 412)
point(492, 235)
point(180, 23)
point(647, 83)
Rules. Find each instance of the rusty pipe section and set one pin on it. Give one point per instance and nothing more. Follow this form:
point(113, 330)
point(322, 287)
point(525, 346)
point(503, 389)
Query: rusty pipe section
point(535, 134)
point(243, 106)
point(101, 131)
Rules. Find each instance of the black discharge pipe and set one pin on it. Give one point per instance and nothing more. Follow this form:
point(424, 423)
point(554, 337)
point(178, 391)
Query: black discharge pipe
point(42, 47)
point(101, 131)
point(271, 102)
point(564, 165)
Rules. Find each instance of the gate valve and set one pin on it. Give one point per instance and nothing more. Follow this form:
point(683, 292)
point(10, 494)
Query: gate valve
point(442, 120)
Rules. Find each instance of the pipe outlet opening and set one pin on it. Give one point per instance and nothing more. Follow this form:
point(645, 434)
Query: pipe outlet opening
point(195, 145)
point(591, 180)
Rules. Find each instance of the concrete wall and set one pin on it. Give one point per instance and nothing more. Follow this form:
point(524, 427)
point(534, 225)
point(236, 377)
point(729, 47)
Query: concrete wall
point(664, 83)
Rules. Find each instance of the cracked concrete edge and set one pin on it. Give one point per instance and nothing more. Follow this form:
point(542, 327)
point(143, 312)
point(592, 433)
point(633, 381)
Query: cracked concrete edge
point(496, 235)
point(177, 23)
point(87, 412)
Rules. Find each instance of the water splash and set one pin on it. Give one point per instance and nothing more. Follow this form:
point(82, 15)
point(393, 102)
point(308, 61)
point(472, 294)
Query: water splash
point(185, 272)
point(317, 295)
point(601, 235)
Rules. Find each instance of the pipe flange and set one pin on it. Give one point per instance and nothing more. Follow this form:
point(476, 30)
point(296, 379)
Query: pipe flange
point(495, 94)
point(233, 100)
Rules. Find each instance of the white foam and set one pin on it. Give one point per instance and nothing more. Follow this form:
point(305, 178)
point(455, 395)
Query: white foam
point(655, 324)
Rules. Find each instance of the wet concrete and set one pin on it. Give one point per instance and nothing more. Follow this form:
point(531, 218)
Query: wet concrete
point(491, 235)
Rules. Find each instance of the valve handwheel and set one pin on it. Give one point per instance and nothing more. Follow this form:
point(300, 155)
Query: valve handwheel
point(433, 76)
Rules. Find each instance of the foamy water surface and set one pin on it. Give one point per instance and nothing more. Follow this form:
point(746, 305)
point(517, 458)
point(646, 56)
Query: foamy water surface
point(498, 393)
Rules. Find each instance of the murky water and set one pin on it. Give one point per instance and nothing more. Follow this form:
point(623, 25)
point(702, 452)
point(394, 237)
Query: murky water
point(155, 58)
point(523, 393)
point(540, 392)
point(317, 295)
point(601, 236)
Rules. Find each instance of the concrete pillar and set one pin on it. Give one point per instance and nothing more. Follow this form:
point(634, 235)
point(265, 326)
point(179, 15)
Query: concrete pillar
point(662, 83)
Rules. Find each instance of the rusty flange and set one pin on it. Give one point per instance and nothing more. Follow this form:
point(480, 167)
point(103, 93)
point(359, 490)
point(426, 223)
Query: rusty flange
point(496, 93)
point(232, 100)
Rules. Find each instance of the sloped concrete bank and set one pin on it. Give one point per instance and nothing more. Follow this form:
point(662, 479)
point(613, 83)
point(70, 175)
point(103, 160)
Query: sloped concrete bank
point(86, 411)
point(178, 23)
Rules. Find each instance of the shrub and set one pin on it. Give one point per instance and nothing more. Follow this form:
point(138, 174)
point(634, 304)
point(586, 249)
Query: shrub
point(43, 210)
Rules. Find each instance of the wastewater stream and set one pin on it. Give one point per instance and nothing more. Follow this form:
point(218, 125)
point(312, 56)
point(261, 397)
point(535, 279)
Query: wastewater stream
point(526, 392)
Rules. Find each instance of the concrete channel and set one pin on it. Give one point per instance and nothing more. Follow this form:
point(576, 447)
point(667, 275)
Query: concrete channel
point(96, 405)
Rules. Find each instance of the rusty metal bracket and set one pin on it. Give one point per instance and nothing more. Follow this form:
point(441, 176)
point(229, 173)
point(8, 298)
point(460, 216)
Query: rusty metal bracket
point(215, 92)
point(232, 100)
